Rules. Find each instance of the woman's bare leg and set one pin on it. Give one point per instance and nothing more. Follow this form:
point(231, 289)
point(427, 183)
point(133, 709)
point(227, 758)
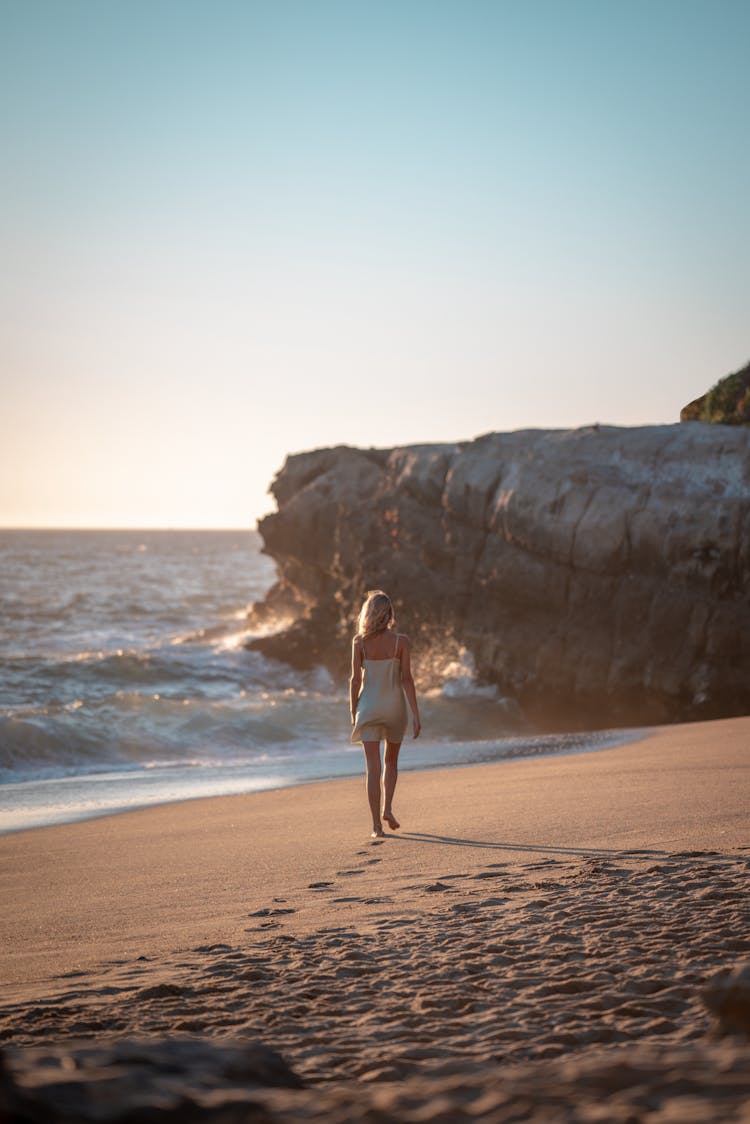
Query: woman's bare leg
point(390, 776)
point(372, 782)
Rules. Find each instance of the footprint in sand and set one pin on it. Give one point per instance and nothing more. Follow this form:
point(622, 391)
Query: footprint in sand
point(319, 885)
point(343, 873)
point(160, 991)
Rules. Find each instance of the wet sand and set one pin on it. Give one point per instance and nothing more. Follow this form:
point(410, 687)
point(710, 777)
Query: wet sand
point(537, 913)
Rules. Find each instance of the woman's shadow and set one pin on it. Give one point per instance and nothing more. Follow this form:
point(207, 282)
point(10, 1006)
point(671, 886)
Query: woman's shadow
point(495, 845)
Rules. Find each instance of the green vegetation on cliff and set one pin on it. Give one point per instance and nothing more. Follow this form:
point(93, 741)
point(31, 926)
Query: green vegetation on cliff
point(727, 403)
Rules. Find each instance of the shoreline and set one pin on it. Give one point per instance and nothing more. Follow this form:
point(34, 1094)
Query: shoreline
point(147, 882)
point(519, 747)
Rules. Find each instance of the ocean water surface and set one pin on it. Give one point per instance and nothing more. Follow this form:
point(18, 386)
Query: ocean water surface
point(125, 681)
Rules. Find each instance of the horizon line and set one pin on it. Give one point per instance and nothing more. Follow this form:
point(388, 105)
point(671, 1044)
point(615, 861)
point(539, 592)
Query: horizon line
point(120, 527)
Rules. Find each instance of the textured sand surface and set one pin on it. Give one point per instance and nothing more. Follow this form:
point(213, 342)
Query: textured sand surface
point(560, 914)
point(507, 962)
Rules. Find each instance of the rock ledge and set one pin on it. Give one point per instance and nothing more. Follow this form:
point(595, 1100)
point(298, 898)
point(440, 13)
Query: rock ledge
point(598, 576)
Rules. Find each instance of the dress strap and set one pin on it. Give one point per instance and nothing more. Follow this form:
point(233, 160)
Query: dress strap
point(395, 650)
point(361, 640)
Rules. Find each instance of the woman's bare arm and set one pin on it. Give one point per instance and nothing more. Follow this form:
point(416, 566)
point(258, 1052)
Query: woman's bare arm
point(408, 683)
point(355, 682)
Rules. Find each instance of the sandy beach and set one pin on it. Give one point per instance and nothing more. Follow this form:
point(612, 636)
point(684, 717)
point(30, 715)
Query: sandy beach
point(534, 926)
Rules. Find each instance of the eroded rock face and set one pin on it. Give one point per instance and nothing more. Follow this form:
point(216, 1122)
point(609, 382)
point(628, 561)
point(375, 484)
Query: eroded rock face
point(599, 576)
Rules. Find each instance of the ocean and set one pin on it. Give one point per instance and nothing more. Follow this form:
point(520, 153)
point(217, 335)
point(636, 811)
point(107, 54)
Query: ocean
point(125, 681)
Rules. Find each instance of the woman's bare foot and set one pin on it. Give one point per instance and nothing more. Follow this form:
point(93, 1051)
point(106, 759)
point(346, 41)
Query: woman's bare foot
point(377, 831)
point(391, 820)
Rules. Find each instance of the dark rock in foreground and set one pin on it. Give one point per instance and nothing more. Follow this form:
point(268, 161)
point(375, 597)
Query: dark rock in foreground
point(150, 1080)
point(696, 1082)
point(598, 576)
point(727, 996)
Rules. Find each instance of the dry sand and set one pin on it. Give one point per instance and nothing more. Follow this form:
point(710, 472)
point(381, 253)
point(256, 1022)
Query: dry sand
point(545, 914)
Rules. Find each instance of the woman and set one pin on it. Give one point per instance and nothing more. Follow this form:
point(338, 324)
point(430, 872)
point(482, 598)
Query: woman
point(381, 667)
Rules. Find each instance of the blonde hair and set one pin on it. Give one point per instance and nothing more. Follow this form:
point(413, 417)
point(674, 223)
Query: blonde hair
point(376, 614)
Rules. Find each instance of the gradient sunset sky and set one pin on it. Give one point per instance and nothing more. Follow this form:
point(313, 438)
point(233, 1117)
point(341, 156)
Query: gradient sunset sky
point(235, 230)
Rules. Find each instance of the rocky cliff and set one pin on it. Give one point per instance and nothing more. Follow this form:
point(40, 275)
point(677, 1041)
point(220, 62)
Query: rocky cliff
point(599, 576)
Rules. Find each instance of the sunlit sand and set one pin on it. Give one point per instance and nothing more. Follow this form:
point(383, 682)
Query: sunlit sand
point(526, 911)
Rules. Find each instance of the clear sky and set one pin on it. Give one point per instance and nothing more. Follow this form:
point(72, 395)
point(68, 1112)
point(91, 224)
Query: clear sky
point(232, 230)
